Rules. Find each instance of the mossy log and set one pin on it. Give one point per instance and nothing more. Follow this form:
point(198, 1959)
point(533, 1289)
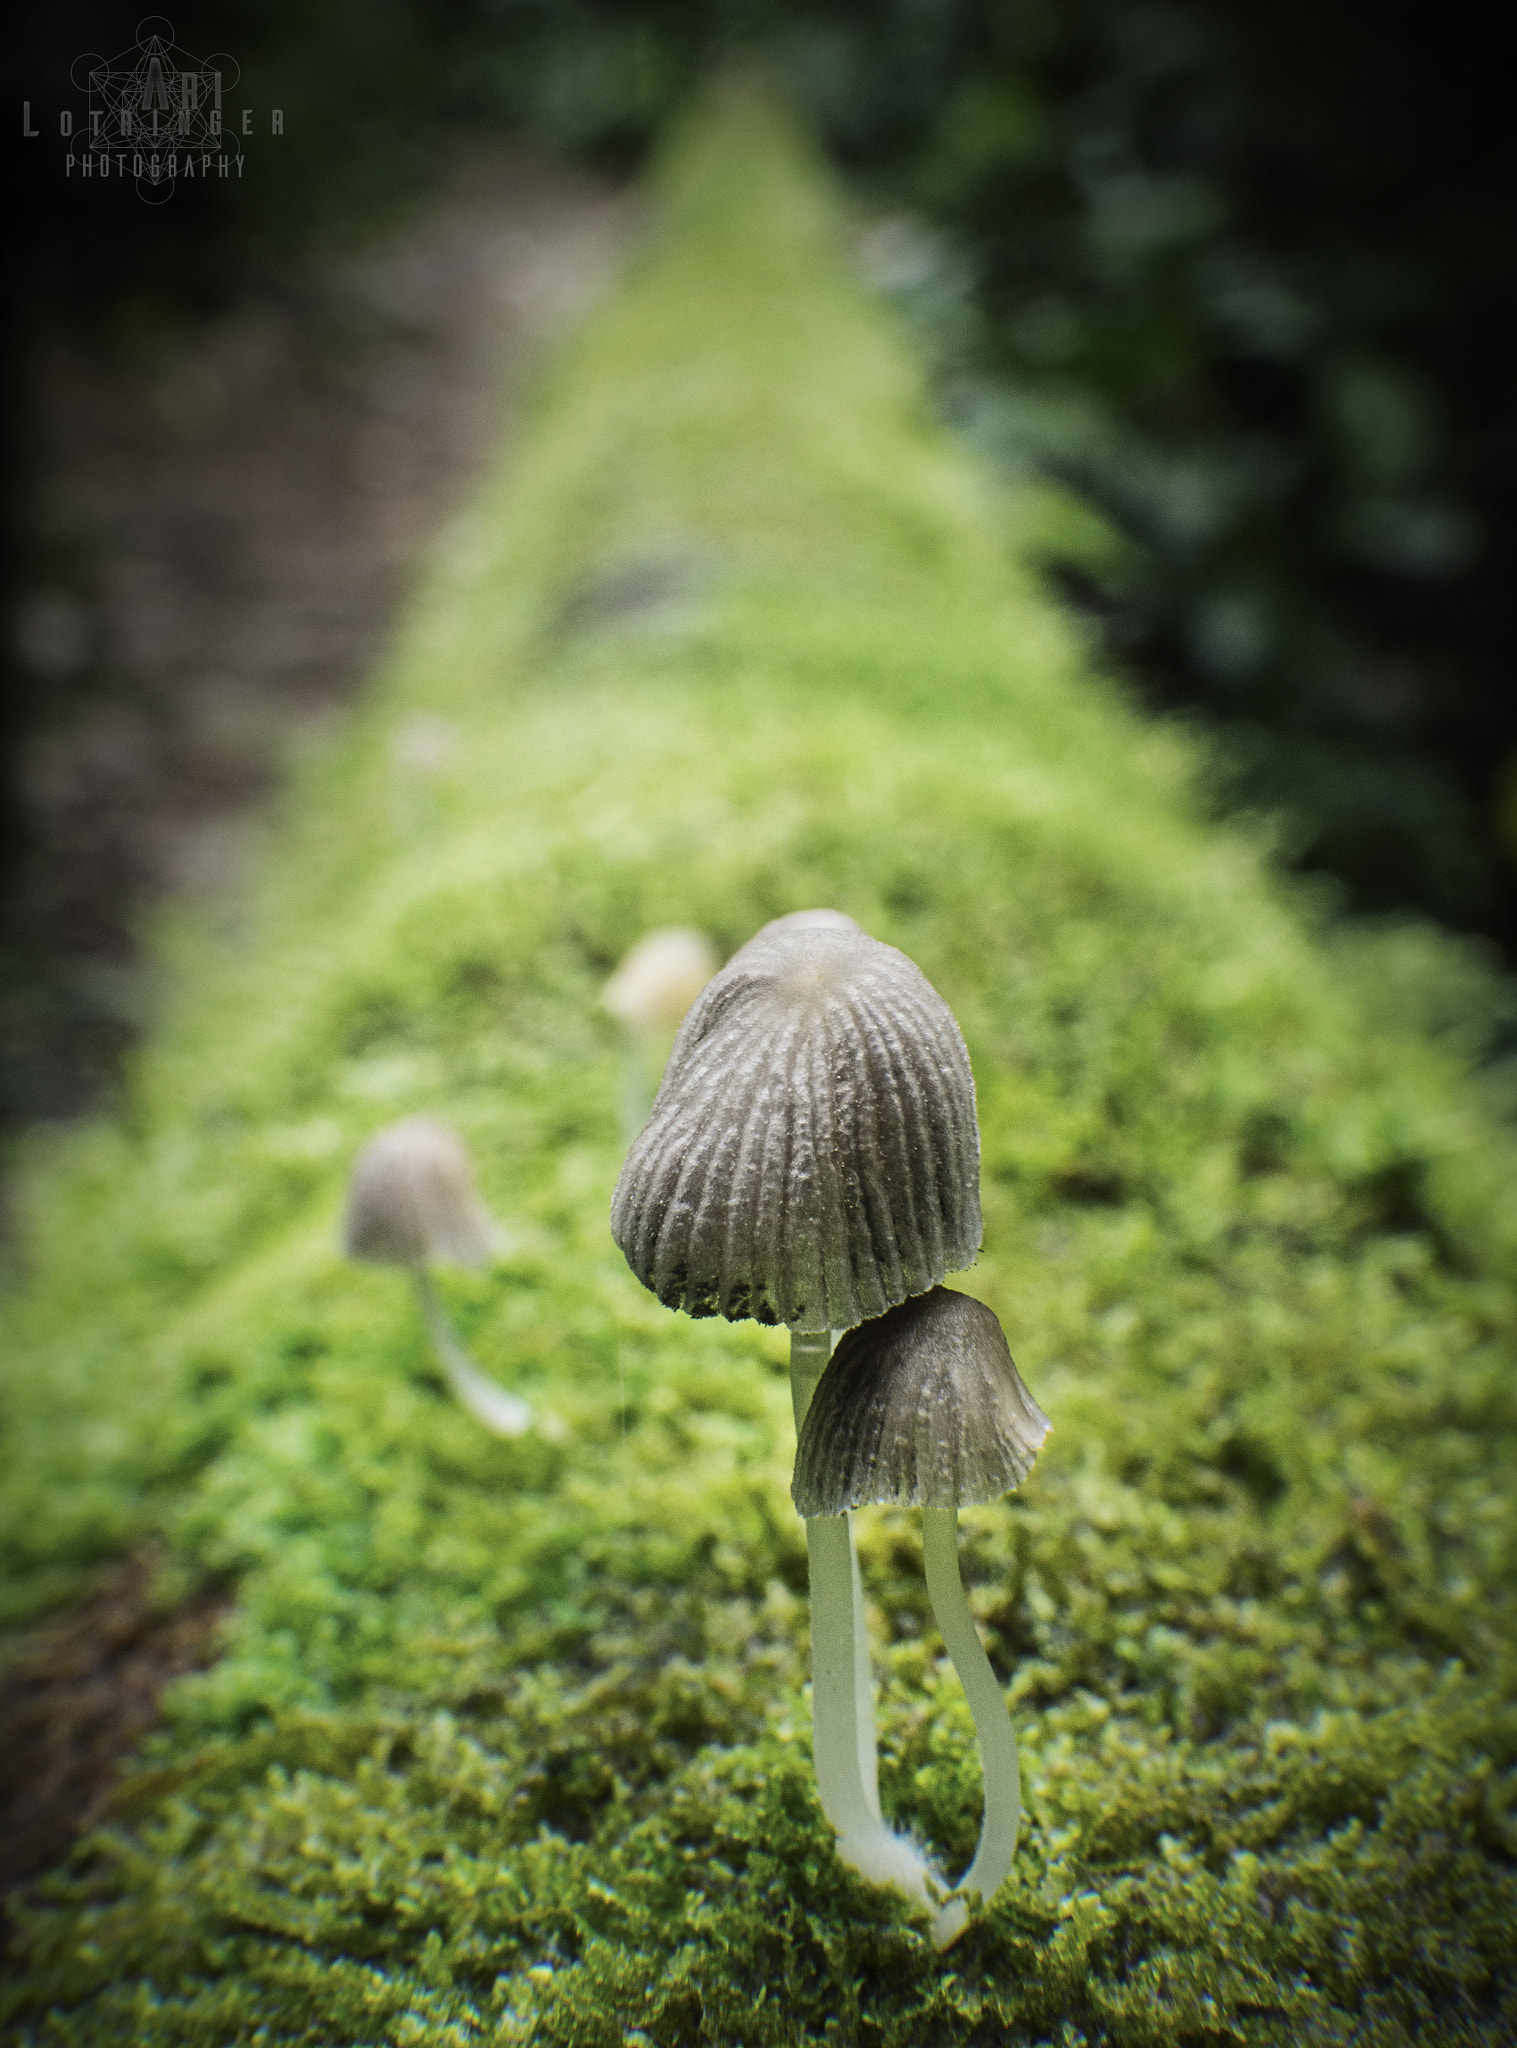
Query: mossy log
point(507, 1740)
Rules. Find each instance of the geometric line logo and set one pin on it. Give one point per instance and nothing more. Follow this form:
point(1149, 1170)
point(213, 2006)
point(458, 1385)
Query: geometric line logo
point(155, 111)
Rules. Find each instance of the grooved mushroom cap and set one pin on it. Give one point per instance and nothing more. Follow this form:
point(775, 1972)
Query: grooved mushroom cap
point(412, 1199)
point(813, 1155)
point(660, 978)
point(921, 1407)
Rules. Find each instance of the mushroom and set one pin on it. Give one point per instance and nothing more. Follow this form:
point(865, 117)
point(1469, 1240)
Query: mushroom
point(812, 1159)
point(412, 1202)
point(648, 995)
point(923, 1407)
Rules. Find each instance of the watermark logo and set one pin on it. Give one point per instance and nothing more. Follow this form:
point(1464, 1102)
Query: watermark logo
point(156, 114)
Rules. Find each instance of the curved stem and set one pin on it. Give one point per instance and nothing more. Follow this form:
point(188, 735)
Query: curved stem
point(809, 1353)
point(863, 1684)
point(992, 1722)
point(834, 1678)
point(842, 1695)
point(505, 1414)
point(864, 1841)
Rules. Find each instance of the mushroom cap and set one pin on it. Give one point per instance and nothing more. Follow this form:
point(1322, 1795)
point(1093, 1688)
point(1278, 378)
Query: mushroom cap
point(813, 1155)
point(412, 1199)
point(805, 921)
point(922, 1407)
point(660, 978)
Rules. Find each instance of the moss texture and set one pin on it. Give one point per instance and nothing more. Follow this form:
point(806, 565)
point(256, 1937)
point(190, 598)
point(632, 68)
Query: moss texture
point(509, 1741)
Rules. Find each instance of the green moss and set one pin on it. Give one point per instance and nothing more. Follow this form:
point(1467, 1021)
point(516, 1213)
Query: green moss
point(508, 1740)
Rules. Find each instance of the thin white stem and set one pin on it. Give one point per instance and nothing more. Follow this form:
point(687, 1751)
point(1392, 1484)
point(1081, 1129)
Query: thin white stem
point(992, 1722)
point(505, 1414)
point(834, 1673)
point(842, 1695)
point(863, 1684)
point(809, 1353)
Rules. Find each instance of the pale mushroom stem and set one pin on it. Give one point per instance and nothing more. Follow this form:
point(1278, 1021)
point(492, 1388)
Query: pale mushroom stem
point(639, 1080)
point(842, 1690)
point(863, 1683)
point(809, 1353)
point(505, 1414)
point(992, 1723)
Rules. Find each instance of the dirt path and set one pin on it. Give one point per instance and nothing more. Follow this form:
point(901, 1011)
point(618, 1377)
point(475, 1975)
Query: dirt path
point(233, 513)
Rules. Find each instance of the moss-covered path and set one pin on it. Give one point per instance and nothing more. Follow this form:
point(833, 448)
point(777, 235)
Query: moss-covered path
point(508, 1740)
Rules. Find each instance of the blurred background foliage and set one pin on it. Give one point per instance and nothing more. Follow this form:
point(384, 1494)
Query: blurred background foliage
point(1244, 275)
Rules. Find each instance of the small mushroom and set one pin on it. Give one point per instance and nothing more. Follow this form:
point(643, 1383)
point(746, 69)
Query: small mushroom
point(812, 1159)
point(412, 1202)
point(923, 1407)
point(648, 995)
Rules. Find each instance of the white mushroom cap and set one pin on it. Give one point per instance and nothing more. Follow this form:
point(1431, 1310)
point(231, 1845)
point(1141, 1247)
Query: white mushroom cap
point(922, 1407)
point(660, 978)
point(412, 1199)
point(813, 1155)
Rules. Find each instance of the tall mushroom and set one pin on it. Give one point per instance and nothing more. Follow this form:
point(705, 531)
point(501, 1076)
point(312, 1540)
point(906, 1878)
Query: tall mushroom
point(923, 1407)
point(412, 1202)
point(812, 1159)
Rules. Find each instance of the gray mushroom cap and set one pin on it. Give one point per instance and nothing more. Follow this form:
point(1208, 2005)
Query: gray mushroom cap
point(922, 1407)
point(412, 1199)
point(813, 1156)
